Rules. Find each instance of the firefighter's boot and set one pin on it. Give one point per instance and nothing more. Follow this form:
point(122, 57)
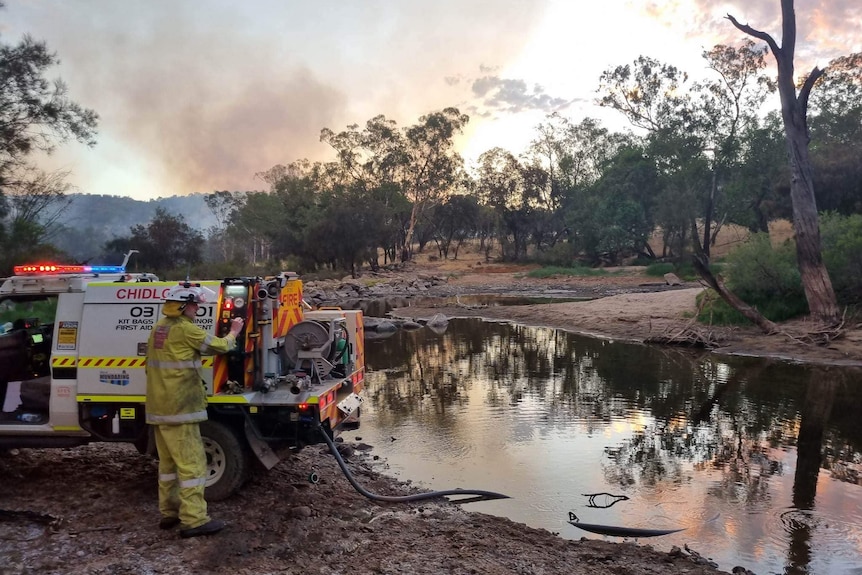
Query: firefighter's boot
point(168, 522)
point(214, 526)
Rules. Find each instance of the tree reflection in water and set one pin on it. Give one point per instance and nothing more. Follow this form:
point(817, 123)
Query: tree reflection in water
point(683, 416)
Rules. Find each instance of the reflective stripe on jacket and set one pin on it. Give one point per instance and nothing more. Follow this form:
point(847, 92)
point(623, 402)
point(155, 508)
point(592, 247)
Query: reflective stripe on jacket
point(175, 388)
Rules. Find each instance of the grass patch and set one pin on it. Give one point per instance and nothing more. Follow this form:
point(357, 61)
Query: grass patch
point(577, 271)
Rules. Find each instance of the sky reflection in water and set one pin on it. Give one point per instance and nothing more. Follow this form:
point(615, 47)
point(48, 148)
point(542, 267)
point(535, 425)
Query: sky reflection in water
point(729, 448)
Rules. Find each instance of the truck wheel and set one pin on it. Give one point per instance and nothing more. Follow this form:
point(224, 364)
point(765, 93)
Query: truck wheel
point(227, 461)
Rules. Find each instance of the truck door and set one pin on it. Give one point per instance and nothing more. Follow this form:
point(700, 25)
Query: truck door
point(26, 333)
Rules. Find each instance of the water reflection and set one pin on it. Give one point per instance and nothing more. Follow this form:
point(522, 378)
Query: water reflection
point(730, 449)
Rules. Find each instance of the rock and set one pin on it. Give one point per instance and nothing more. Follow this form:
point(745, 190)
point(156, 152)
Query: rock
point(301, 511)
point(410, 325)
point(438, 320)
point(386, 327)
point(672, 279)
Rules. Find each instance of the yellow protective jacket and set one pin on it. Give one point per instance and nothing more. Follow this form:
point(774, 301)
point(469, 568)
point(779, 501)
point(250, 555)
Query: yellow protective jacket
point(175, 389)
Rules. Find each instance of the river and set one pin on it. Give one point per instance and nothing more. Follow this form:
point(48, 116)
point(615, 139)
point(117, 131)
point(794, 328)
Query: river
point(757, 460)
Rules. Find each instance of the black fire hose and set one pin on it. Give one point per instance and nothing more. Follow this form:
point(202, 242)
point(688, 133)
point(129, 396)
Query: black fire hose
point(478, 495)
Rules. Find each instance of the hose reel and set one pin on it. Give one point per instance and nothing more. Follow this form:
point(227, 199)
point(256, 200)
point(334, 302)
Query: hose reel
point(309, 347)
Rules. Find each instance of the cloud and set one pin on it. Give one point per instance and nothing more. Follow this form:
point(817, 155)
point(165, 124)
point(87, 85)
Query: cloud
point(825, 28)
point(513, 95)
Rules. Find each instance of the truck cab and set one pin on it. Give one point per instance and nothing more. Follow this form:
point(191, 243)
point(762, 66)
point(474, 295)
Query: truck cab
point(73, 342)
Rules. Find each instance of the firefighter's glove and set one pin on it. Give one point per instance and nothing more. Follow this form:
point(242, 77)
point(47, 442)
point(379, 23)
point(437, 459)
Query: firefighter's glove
point(236, 326)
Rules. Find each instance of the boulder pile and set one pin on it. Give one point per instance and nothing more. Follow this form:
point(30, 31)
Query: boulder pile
point(333, 292)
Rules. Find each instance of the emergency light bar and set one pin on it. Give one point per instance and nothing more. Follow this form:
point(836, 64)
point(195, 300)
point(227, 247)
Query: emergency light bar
point(67, 269)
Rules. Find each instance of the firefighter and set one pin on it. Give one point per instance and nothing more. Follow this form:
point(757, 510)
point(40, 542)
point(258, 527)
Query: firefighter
point(177, 403)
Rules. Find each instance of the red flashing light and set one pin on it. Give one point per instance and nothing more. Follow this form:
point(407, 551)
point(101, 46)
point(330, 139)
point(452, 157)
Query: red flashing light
point(303, 407)
point(228, 304)
point(47, 269)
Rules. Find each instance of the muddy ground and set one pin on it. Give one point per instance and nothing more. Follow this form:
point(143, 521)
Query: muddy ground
point(92, 510)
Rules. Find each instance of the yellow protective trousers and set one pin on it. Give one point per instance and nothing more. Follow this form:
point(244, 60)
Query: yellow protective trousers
point(182, 473)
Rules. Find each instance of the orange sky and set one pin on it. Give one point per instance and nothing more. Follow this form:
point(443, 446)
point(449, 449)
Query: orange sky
point(199, 96)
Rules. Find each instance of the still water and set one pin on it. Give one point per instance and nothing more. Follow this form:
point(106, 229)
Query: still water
point(758, 460)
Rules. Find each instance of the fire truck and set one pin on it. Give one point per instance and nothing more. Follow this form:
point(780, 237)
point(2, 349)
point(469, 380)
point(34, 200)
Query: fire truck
point(73, 344)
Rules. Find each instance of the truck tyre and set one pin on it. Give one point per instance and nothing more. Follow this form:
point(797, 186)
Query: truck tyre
point(227, 460)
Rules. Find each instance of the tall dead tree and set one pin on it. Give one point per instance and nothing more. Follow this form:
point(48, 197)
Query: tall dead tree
point(794, 112)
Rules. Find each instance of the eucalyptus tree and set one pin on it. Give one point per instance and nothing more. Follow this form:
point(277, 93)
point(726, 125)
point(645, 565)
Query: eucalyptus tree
point(694, 136)
point(544, 156)
point(222, 204)
point(453, 222)
point(500, 185)
point(623, 206)
point(655, 98)
point(345, 234)
point(420, 159)
point(729, 104)
point(836, 102)
point(165, 243)
point(794, 112)
point(257, 226)
point(394, 210)
point(756, 191)
point(694, 129)
point(367, 158)
point(571, 156)
point(297, 188)
point(36, 202)
point(433, 167)
point(835, 118)
point(35, 115)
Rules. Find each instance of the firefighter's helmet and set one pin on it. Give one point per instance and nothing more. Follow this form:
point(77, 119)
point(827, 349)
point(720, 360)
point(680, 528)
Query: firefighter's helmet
point(190, 293)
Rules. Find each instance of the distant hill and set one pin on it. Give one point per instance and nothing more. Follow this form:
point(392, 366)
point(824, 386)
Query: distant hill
point(93, 220)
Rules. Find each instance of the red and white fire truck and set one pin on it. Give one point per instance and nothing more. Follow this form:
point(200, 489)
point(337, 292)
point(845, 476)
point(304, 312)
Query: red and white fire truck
point(72, 354)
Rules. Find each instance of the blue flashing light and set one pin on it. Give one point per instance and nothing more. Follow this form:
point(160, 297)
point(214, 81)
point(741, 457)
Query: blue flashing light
point(106, 269)
point(47, 269)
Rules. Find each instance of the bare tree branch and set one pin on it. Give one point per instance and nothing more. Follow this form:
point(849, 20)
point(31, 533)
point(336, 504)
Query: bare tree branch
point(805, 91)
point(773, 45)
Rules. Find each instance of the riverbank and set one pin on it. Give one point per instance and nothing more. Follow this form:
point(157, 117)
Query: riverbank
point(630, 306)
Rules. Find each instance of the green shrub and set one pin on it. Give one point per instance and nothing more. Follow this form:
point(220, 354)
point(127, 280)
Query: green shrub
point(758, 272)
point(768, 278)
point(764, 277)
point(841, 238)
